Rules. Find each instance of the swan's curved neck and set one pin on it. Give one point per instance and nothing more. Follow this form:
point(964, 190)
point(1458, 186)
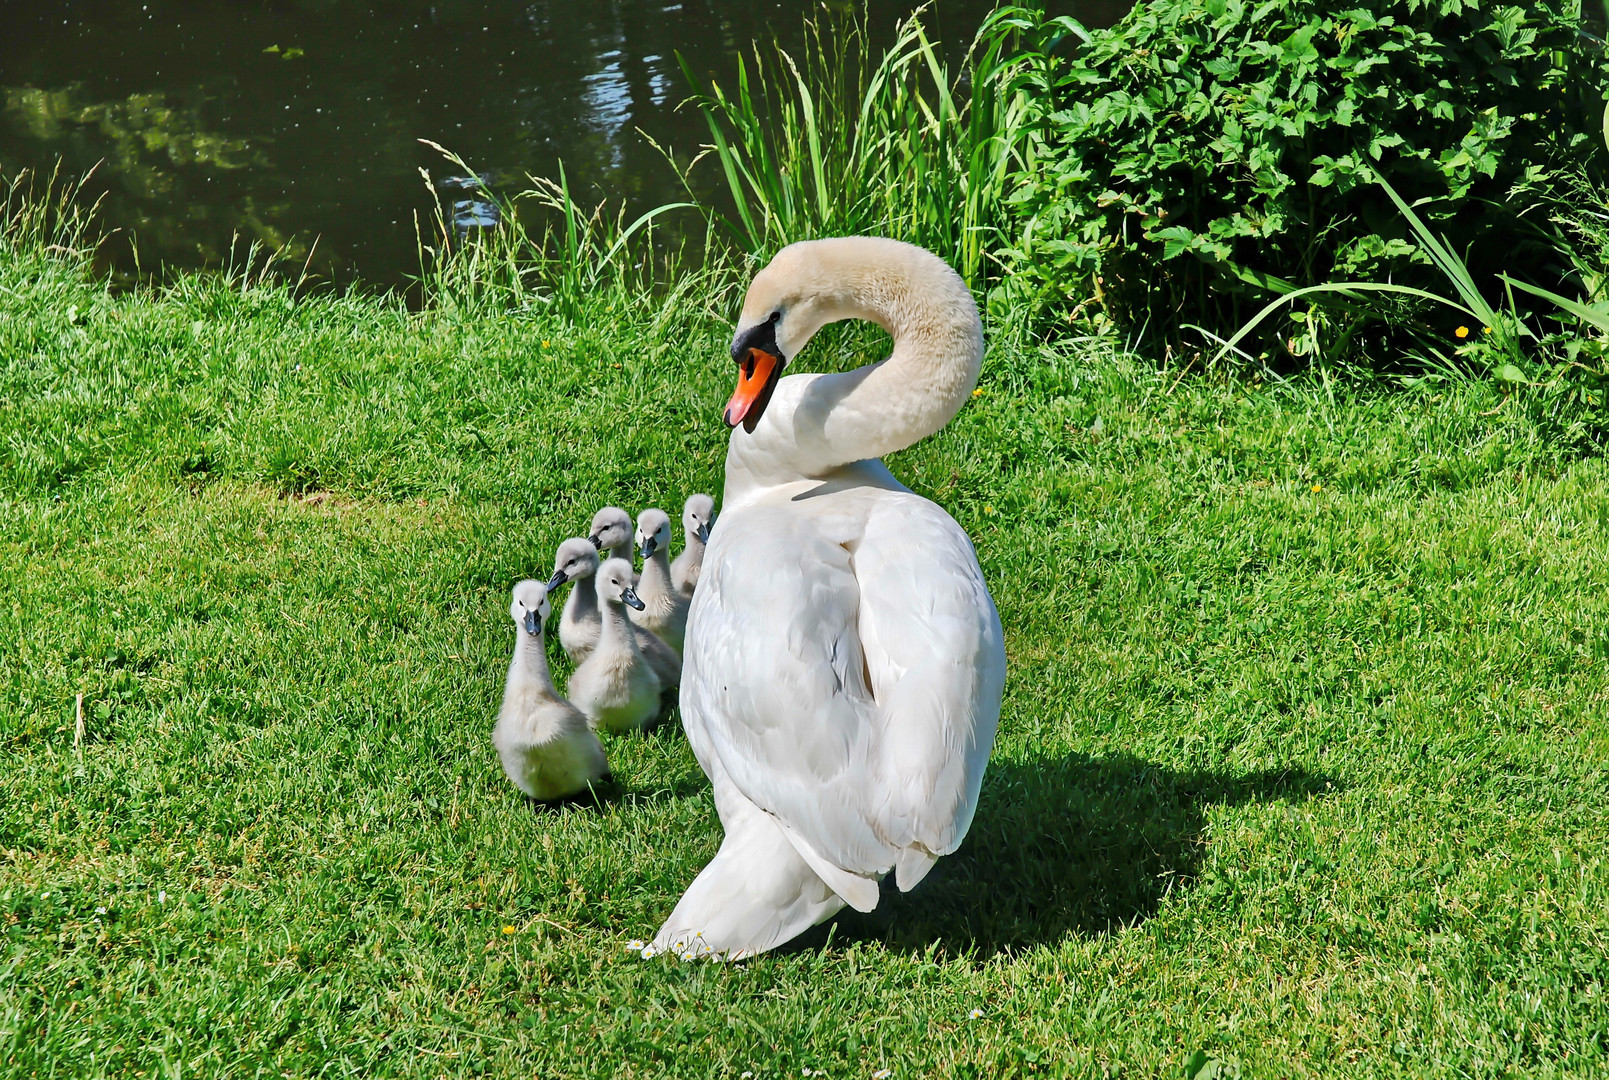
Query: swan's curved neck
point(819, 423)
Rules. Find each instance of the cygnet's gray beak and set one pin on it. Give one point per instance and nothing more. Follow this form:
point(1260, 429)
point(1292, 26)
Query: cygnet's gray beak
point(649, 546)
point(630, 597)
point(596, 541)
point(532, 626)
point(703, 532)
point(559, 578)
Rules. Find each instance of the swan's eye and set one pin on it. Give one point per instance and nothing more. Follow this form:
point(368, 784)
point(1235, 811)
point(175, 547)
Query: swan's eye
point(776, 316)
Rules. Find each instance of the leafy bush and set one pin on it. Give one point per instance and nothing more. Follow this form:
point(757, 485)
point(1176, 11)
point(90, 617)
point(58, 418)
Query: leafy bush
point(1199, 157)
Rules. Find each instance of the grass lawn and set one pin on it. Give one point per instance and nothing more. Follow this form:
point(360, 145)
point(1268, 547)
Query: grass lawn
point(1303, 767)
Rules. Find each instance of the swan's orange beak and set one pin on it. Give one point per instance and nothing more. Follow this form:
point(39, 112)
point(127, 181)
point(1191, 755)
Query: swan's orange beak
point(757, 377)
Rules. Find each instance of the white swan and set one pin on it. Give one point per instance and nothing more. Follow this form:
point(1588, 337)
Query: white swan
point(614, 685)
point(582, 622)
point(698, 514)
point(545, 744)
point(844, 662)
point(664, 610)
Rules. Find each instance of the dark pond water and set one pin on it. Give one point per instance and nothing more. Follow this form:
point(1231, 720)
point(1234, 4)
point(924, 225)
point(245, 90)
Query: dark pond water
point(283, 121)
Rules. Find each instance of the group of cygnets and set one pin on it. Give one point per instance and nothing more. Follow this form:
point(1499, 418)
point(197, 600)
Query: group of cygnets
point(623, 632)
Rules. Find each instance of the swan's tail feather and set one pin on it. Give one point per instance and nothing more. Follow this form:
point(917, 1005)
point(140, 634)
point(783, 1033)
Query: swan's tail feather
point(914, 863)
point(754, 895)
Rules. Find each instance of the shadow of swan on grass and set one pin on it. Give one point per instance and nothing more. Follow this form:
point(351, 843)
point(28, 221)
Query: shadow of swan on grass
point(1078, 846)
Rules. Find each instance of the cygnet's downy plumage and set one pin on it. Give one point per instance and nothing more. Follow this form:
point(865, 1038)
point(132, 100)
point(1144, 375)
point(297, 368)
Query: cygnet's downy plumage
point(547, 747)
point(582, 622)
point(614, 686)
point(664, 610)
point(579, 624)
point(698, 515)
point(611, 533)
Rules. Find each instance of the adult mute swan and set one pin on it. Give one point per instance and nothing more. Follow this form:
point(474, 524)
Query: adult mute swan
point(844, 661)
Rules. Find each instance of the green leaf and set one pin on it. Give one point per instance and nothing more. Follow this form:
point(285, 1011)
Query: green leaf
point(1590, 316)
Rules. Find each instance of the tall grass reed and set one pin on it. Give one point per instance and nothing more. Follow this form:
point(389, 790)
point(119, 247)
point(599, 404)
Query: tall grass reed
point(576, 259)
point(48, 215)
point(840, 140)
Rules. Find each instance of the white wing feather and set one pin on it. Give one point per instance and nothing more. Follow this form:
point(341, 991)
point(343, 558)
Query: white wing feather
point(880, 586)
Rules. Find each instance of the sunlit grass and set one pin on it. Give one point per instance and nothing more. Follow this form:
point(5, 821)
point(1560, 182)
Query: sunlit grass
point(1303, 765)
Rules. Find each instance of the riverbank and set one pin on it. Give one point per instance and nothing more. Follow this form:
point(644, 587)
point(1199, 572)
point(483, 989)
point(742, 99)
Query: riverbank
point(1302, 765)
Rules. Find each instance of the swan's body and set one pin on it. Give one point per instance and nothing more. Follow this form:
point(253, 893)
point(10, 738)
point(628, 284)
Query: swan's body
point(546, 745)
point(844, 661)
point(614, 685)
point(698, 515)
point(664, 610)
point(581, 623)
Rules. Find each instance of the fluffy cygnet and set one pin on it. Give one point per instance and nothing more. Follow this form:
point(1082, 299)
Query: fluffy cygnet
point(582, 622)
point(614, 686)
point(579, 623)
point(664, 610)
point(611, 533)
point(546, 745)
point(697, 517)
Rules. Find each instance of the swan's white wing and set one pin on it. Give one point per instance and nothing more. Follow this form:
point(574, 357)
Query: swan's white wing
point(775, 684)
point(936, 658)
point(777, 678)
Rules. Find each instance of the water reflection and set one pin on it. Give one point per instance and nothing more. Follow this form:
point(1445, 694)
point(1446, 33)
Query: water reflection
point(476, 210)
point(286, 120)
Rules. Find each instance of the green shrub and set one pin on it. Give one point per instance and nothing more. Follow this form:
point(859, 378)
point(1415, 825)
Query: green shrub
point(1200, 157)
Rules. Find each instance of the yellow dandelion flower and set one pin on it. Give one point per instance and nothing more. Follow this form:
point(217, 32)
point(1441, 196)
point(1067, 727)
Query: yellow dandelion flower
point(978, 392)
point(508, 929)
point(1462, 331)
point(1318, 487)
point(1486, 329)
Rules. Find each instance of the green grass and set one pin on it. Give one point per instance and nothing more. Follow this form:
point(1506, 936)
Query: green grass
point(1303, 766)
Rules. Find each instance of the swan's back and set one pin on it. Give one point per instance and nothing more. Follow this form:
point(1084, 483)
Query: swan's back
point(880, 629)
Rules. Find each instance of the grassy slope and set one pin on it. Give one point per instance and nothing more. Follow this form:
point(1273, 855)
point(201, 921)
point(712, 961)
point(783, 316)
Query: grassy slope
point(1304, 760)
